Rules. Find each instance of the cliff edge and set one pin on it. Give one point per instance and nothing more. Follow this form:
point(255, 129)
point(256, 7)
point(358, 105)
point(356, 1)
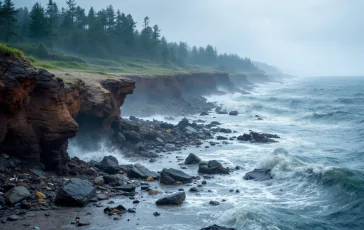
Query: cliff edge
point(39, 110)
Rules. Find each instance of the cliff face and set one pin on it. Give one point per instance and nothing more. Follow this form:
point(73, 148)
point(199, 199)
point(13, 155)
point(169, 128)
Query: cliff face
point(181, 84)
point(38, 110)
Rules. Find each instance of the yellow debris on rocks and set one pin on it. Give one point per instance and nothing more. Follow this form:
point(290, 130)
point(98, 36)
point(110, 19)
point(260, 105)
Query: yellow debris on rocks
point(40, 195)
point(168, 131)
point(48, 188)
point(178, 182)
point(150, 179)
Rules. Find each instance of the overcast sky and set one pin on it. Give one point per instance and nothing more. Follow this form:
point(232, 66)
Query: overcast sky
point(310, 37)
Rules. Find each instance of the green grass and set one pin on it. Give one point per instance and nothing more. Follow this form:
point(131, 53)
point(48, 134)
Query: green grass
point(9, 51)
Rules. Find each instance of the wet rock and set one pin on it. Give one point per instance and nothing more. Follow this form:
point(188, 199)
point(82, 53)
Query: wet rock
point(258, 137)
point(170, 146)
point(214, 203)
point(108, 178)
point(131, 210)
point(17, 194)
point(192, 159)
point(83, 223)
point(216, 227)
point(141, 172)
point(109, 165)
point(183, 123)
point(222, 130)
point(172, 199)
point(212, 167)
point(215, 123)
point(220, 111)
point(171, 176)
point(164, 125)
point(126, 188)
point(195, 189)
point(204, 113)
point(259, 175)
point(13, 218)
point(102, 197)
point(132, 136)
point(121, 179)
point(159, 140)
point(190, 129)
point(99, 181)
point(37, 172)
point(233, 113)
point(156, 214)
point(220, 138)
point(75, 192)
point(2, 200)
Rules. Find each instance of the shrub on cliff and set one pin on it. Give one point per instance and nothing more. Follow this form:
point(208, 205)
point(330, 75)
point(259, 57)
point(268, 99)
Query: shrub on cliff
point(9, 51)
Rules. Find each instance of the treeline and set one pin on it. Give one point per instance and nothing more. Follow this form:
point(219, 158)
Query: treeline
point(107, 33)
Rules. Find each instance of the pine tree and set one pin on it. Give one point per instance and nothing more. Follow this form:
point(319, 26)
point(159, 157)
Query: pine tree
point(38, 26)
point(72, 10)
point(52, 14)
point(7, 16)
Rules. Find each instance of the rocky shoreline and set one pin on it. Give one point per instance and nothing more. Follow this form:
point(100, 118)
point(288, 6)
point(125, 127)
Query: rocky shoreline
point(40, 111)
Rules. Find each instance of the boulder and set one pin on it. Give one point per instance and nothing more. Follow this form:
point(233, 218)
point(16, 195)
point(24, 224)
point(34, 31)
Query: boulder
point(17, 194)
point(259, 175)
point(221, 138)
point(151, 135)
point(176, 175)
point(99, 181)
point(183, 123)
point(204, 113)
point(109, 165)
point(172, 199)
point(212, 167)
point(222, 130)
point(121, 179)
point(215, 123)
point(258, 137)
point(126, 188)
point(192, 159)
point(216, 227)
point(233, 113)
point(141, 172)
point(132, 136)
point(75, 192)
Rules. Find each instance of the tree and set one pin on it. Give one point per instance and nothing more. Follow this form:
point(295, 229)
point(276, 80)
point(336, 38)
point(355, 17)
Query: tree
point(110, 17)
point(71, 9)
point(52, 14)
point(156, 34)
point(7, 16)
point(165, 50)
point(38, 26)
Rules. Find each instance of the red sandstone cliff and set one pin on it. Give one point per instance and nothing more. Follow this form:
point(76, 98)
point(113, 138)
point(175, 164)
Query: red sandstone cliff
point(38, 109)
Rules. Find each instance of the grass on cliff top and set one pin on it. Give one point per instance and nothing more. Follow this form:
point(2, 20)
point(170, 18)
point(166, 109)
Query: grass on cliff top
point(9, 51)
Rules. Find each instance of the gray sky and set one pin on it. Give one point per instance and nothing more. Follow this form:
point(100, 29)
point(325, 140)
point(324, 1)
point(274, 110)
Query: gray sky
point(310, 37)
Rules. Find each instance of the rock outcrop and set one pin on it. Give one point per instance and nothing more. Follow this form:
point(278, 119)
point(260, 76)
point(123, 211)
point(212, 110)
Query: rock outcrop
point(39, 110)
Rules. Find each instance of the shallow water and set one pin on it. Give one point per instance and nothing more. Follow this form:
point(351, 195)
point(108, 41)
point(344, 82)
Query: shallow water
point(318, 164)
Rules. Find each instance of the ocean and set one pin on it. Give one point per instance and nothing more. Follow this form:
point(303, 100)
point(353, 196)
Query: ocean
point(317, 165)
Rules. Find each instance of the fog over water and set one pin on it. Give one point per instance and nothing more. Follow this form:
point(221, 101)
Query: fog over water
point(312, 37)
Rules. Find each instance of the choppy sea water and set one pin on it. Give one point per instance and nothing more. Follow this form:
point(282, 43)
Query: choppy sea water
point(318, 164)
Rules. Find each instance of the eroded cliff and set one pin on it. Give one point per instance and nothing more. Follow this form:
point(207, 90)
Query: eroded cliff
point(39, 110)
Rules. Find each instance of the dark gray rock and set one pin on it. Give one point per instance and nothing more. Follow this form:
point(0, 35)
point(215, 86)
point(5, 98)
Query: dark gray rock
point(37, 172)
point(109, 165)
point(258, 137)
point(215, 123)
point(121, 179)
point(220, 138)
point(214, 203)
point(132, 136)
point(176, 175)
point(192, 159)
point(172, 199)
point(216, 227)
point(212, 167)
point(2, 200)
point(141, 172)
point(17, 194)
point(75, 192)
point(183, 123)
point(259, 175)
point(13, 218)
point(204, 113)
point(222, 130)
point(195, 189)
point(126, 188)
point(233, 113)
point(166, 125)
